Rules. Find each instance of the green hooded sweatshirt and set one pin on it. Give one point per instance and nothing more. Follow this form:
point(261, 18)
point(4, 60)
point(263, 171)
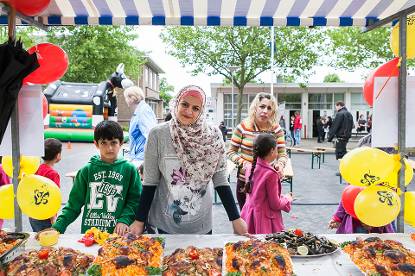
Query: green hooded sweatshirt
point(109, 193)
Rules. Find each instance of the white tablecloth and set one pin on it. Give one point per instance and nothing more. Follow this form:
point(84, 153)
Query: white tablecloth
point(334, 264)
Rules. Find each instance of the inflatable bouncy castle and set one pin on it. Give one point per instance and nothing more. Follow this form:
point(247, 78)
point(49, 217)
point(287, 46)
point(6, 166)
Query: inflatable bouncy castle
point(76, 108)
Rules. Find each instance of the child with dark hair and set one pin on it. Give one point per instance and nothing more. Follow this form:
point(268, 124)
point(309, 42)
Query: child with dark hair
point(107, 187)
point(262, 210)
point(53, 150)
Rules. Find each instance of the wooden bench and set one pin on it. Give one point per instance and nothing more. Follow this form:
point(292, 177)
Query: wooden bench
point(315, 154)
point(288, 174)
point(325, 150)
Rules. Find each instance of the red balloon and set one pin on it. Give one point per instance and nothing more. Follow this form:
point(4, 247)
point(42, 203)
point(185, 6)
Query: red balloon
point(53, 63)
point(30, 7)
point(44, 106)
point(389, 69)
point(348, 197)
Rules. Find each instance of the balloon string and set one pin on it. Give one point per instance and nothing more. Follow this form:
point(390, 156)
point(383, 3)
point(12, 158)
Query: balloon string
point(386, 82)
point(398, 65)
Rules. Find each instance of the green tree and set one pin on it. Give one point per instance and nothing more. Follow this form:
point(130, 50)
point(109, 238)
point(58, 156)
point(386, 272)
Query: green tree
point(95, 51)
point(332, 78)
point(29, 35)
point(166, 91)
point(212, 50)
point(349, 48)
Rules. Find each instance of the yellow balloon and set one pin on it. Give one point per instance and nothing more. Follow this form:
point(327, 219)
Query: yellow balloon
point(38, 197)
point(366, 166)
point(377, 206)
point(28, 165)
point(409, 210)
point(7, 202)
point(410, 42)
point(392, 179)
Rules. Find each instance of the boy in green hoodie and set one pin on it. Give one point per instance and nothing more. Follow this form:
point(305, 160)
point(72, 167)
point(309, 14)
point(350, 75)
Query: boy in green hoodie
point(109, 188)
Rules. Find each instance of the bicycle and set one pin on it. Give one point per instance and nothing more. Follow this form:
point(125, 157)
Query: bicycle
point(289, 141)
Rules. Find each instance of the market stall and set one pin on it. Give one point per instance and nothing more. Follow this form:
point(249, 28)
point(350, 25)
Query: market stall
point(236, 13)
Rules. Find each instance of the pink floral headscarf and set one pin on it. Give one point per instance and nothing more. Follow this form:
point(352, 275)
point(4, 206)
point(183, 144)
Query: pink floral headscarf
point(199, 146)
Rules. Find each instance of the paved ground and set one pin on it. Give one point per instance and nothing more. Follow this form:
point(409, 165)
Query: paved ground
point(317, 191)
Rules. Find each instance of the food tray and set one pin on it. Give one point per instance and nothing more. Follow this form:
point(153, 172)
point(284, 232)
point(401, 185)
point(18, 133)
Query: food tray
point(15, 251)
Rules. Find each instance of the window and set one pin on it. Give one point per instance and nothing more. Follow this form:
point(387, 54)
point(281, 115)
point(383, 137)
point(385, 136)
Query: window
point(292, 101)
point(358, 103)
point(338, 97)
point(153, 105)
point(320, 101)
point(227, 107)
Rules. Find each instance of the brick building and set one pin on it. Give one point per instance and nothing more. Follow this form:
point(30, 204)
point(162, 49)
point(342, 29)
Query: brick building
point(149, 81)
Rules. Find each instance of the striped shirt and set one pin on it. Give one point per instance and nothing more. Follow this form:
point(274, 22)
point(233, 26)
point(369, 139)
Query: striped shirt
point(241, 148)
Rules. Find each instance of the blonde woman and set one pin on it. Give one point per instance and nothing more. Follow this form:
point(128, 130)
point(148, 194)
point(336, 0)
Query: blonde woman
point(262, 118)
point(142, 121)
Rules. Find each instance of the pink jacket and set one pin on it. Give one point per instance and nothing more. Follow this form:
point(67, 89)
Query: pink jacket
point(262, 210)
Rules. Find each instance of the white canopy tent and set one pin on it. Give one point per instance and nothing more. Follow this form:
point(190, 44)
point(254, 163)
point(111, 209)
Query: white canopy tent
point(219, 12)
point(336, 13)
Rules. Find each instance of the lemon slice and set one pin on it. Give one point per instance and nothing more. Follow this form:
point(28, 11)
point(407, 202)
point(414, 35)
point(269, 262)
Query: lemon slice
point(302, 250)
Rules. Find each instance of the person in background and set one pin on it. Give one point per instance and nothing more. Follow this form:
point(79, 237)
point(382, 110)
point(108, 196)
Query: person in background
point(224, 130)
point(53, 154)
point(298, 125)
point(369, 123)
point(361, 124)
point(282, 122)
point(346, 224)
point(264, 203)
point(107, 187)
point(262, 117)
point(168, 117)
point(4, 180)
point(182, 157)
point(142, 121)
point(292, 119)
point(320, 129)
point(327, 126)
point(341, 129)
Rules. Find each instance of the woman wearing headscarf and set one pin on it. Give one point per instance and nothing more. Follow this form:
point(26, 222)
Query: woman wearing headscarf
point(262, 117)
point(182, 157)
point(142, 121)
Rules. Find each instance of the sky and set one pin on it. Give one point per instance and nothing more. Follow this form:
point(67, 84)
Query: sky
point(178, 76)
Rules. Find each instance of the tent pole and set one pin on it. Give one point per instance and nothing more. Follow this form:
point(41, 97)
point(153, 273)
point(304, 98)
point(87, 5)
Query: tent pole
point(15, 133)
point(402, 116)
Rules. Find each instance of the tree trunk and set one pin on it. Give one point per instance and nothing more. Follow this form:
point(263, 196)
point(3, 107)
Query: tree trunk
point(239, 111)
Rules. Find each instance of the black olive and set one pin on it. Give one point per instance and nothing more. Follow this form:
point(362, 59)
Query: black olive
point(21, 268)
point(395, 255)
point(67, 260)
point(122, 261)
point(406, 268)
point(237, 245)
point(100, 251)
point(130, 236)
point(124, 250)
point(219, 260)
point(372, 239)
point(255, 263)
point(381, 270)
point(280, 260)
point(235, 263)
point(371, 251)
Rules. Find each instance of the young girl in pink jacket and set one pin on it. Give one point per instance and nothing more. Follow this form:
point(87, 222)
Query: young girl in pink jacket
point(262, 210)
